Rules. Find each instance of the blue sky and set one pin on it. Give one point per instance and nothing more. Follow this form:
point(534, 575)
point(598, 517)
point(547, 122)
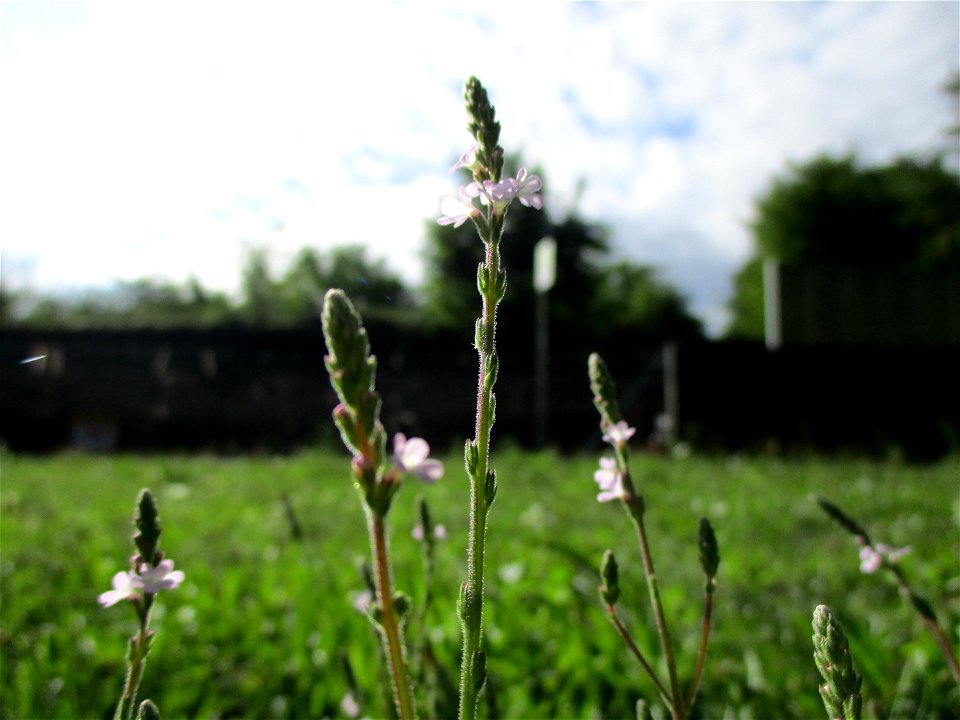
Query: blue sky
point(168, 139)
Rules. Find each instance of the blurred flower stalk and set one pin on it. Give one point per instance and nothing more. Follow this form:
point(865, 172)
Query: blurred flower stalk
point(376, 475)
point(150, 574)
point(615, 483)
point(877, 556)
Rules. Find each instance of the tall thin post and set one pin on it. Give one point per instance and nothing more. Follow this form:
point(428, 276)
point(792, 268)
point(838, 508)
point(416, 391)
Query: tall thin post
point(544, 277)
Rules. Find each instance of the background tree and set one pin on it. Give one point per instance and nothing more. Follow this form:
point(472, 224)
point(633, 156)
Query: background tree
point(293, 299)
point(830, 211)
point(147, 302)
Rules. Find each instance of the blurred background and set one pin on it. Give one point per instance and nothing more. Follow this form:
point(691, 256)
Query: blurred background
point(756, 211)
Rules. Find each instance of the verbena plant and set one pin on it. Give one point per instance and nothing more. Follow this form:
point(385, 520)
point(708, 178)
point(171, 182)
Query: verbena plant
point(149, 573)
point(352, 369)
point(616, 483)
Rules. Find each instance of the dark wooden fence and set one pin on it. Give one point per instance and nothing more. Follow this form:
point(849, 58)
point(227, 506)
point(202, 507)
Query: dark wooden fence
point(246, 390)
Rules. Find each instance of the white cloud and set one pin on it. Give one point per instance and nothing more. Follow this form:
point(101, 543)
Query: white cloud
point(142, 139)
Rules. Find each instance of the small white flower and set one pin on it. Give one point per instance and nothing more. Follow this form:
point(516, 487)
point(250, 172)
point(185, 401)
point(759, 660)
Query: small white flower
point(467, 160)
point(439, 532)
point(361, 601)
point(161, 577)
point(411, 457)
point(609, 479)
point(456, 212)
point(871, 558)
point(126, 586)
point(526, 189)
point(350, 706)
point(618, 434)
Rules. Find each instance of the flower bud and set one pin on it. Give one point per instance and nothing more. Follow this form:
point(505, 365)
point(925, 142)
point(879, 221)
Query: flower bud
point(148, 711)
point(483, 278)
point(471, 458)
point(490, 487)
point(147, 522)
point(831, 653)
point(709, 552)
point(610, 575)
point(604, 391)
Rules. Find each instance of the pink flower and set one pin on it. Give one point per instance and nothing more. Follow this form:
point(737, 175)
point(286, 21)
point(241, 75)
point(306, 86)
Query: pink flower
point(457, 212)
point(526, 189)
point(126, 586)
point(161, 577)
point(439, 532)
point(872, 558)
point(609, 479)
point(361, 601)
point(350, 706)
point(618, 434)
point(467, 160)
point(411, 457)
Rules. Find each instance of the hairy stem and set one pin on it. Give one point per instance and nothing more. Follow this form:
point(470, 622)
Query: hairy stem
point(636, 513)
point(138, 658)
point(472, 611)
point(389, 622)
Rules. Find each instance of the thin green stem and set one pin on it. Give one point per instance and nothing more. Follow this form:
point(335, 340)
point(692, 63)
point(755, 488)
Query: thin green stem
point(612, 610)
point(141, 646)
point(704, 640)
point(635, 508)
point(929, 619)
point(388, 619)
point(472, 612)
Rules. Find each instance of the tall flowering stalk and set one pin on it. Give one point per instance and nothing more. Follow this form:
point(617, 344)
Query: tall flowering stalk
point(616, 483)
point(377, 476)
point(150, 573)
point(877, 556)
point(485, 161)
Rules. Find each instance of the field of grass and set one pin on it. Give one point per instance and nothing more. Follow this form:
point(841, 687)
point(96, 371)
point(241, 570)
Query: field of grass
point(263, 626)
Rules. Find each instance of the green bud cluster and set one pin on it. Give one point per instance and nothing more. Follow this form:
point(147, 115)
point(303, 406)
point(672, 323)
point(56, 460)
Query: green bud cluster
point(147, 522)
point(352, 370)
point(485, 129)
point(709, 552)
point(844, 520)
point(604, 390)
point(831, 653)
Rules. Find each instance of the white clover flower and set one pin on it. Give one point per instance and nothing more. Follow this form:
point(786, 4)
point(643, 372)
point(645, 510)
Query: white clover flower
point(126, 586)
point(161, 577)
point(618, 434)
point(411, 457)
point(610, 480)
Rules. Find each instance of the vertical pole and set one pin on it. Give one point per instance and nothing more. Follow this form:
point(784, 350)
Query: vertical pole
point(541, 380)
point(544, 277)
point(671, 392)
point(772, 308)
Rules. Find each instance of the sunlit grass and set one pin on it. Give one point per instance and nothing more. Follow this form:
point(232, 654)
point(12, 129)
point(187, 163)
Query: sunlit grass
point(263, 623)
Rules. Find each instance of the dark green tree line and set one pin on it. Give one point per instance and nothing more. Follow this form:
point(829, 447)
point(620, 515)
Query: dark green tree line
point(832, 211)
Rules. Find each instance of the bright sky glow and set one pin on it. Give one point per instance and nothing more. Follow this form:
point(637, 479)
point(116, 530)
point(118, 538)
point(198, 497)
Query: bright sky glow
point(166, 139)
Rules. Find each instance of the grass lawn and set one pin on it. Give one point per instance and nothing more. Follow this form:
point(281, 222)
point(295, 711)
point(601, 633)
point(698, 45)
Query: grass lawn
point(263, 626)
